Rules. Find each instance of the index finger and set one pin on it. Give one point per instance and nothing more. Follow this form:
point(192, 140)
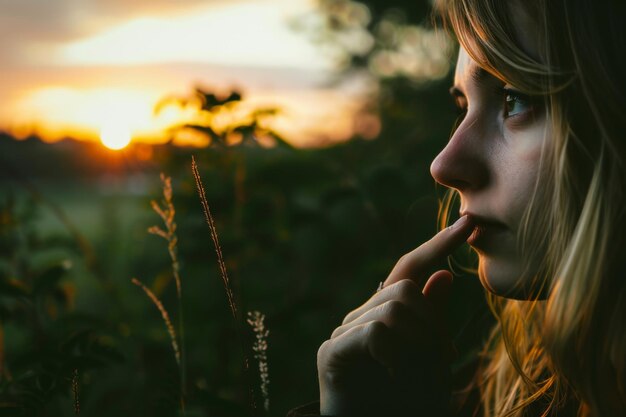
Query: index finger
point(416, 264)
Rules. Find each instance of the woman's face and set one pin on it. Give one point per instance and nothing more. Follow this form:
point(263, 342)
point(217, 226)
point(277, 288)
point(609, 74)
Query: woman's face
point(492, 160)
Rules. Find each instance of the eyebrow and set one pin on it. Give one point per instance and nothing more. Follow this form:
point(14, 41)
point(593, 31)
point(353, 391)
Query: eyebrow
point(478, 75)
point(456, 92)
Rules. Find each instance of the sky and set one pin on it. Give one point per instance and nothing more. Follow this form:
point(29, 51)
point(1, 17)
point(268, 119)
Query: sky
point(83, 67)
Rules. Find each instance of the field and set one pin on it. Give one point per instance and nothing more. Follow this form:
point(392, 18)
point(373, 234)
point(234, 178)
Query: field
point(306, 236)
point(92, 320)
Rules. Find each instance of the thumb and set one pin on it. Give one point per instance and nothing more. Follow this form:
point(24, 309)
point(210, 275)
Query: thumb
point(437, 291)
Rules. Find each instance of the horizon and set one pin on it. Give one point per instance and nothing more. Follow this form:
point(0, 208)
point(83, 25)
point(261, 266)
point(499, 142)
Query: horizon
point(95, 71)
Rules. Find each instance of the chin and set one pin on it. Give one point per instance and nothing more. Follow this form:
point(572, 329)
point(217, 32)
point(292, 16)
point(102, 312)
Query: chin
point(502, 278)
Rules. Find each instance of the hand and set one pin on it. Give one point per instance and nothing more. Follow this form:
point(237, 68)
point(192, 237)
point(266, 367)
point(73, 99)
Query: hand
point(391, 355)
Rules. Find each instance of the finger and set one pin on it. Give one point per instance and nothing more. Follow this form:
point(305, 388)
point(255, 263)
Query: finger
point(372, 340)
point(437, 289)
point(401, 319)
point(416, 264)
point(405, 291)
point(437, 293)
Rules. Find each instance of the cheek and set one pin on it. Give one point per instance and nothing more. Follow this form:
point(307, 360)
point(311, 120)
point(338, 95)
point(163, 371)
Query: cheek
point(521, 177)
point(519, 164)
point(525, 145)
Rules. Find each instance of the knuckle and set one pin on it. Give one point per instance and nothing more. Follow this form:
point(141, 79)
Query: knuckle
point(322, 351)
point(394, 310)
point(374, 330)
point(349, 317)
point(408, 290)
point(337, 332)
point(402, 259)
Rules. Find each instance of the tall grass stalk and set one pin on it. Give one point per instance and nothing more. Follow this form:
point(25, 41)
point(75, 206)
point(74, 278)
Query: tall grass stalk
point(168, 325)
point(75, 392)
point(164, 315)
point(1, 351)
point(218, 249)
point(226, 281)
point(257, 321)
point(167, 212)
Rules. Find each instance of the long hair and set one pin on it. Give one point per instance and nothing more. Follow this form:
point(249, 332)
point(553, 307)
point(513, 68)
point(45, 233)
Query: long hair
point(567, 343)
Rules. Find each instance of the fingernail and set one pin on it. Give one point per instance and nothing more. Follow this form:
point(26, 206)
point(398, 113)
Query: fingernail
point(460, 222)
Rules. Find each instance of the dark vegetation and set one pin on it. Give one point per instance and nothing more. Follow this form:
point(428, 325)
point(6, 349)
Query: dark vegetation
point(306, 236)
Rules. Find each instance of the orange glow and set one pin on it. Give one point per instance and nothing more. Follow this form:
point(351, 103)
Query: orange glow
point(114, 115)
point(105, 84)
point(106, 114)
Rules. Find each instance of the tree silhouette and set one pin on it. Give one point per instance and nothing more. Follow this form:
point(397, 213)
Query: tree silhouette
point(243, 127)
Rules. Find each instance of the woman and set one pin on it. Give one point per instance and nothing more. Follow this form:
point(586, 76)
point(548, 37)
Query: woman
point(539, 162)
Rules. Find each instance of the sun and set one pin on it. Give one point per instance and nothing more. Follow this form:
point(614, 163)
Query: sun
point(115, 136)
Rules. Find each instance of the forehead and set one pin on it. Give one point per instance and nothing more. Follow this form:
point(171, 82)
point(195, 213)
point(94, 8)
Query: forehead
point(464, 66)
point(467, 70)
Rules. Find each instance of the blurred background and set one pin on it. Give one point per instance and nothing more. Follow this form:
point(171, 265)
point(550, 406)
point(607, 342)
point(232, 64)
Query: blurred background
point(313, 124)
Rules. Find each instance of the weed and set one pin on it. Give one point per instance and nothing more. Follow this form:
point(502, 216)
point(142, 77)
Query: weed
point(164, 314)
point(167, 212)
point(75, 392)
point(257, 321)
point(218, 249)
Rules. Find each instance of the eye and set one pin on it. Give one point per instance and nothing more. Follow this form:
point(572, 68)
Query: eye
point(460, 105)
point(460, 102)
point(516, 103)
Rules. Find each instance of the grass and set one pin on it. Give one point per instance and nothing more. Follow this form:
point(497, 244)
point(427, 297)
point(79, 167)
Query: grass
point(75, 391)
point(213, 230)
point(167, 212)
point(256, 320)
point(291, 233)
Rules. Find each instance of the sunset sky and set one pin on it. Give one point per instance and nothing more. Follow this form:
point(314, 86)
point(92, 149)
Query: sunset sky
point(92, 68)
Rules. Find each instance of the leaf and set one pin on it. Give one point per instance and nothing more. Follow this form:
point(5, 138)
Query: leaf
point(206, 130)
point(210, 100)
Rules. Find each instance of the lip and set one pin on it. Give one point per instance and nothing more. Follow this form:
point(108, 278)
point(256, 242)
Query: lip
point(488, 232)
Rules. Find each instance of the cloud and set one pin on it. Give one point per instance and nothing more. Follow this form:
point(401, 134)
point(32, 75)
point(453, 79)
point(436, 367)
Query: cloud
point(250, 34)
point(27, 25)
point(152, 7)
point(121, 32)
point(56, 56)
point(27, 20)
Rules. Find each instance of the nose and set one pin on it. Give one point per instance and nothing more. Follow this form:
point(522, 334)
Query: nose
point(463, 163)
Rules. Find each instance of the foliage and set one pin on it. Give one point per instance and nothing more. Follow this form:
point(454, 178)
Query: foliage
point(389, 39)
point(222, 121)
point(46, 346)
point(305, 236)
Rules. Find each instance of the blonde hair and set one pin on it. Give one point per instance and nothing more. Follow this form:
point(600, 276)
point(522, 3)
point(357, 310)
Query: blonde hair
point(569, 348)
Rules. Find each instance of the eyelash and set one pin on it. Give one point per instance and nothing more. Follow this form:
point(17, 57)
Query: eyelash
point(515, 97)
point(460, 106)
point(461, 111)
point(509, 96)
